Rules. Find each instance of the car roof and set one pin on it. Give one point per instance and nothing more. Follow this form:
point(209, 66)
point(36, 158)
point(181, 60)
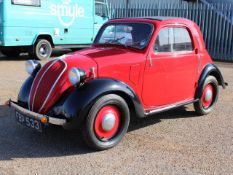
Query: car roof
point(154, 19)
point(158, 18)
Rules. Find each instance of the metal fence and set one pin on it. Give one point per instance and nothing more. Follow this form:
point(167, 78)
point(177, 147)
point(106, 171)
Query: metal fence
point(214, 20)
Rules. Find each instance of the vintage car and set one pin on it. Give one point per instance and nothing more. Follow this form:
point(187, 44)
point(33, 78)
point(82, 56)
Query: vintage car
point(136, 67)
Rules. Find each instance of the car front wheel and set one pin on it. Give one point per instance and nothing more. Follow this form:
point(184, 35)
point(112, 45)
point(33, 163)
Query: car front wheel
point(107, 122)
point(209, 96)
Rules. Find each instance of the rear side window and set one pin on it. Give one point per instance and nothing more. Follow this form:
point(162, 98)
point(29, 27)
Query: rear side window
point(182, 40)
point(27, 2)
point(173, 39)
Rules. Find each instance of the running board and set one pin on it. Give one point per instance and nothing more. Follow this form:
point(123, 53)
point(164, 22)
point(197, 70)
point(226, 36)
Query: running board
point(166, 108)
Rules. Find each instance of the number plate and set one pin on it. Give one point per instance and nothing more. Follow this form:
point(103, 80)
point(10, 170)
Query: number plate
point(28, 121)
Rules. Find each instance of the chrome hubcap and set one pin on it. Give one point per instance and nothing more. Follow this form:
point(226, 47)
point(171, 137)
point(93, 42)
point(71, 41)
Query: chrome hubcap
point(43, 50)
point(208, 95)
point(108, 122)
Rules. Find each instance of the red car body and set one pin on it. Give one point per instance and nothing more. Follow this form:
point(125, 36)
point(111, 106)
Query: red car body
point(148, 81)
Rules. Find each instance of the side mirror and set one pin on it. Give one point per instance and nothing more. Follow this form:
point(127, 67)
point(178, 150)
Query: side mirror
point(196, 50)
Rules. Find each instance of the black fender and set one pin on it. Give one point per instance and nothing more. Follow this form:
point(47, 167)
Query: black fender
point(24, 92)
point(210, 69)
point(77, 105)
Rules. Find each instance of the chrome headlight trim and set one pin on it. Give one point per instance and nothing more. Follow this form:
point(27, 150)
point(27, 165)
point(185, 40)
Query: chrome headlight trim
point(74, 76)
point(31, 65)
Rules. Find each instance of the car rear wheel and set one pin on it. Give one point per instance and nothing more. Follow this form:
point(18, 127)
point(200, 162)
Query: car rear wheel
point(209, 96)
point(107, 122)
point(42, 49)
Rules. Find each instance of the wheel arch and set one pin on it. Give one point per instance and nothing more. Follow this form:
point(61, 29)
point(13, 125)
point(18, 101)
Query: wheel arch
point(129, 102)
point(43, 36)
point(209, 70)
point(79, 102)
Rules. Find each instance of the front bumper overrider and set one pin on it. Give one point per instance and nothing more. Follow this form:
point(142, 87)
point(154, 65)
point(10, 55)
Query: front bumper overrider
point(49, 120)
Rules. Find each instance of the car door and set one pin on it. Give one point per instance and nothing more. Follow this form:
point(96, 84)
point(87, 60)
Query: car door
point(170, 75)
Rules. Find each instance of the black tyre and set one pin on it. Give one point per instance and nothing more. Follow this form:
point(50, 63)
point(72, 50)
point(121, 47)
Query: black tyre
point(42, 49)
point(11, 52)
point(107, 122)
point(209, 96)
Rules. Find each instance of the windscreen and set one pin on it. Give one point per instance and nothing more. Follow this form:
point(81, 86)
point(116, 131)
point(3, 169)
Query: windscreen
point(135, 35)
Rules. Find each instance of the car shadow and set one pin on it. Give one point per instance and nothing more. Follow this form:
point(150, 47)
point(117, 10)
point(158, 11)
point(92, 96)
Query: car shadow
point(22, 57)
point(19, 142)
point(152, 119)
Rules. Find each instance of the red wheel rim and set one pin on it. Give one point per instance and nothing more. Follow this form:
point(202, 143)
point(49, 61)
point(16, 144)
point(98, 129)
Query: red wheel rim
point(208, 96)
point(98, 125)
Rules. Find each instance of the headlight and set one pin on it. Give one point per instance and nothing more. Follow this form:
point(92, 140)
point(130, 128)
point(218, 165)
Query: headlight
point(76, 75)
point(31, 66)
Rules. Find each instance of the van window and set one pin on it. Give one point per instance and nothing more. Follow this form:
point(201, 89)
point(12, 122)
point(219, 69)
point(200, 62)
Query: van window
point(101, 8)
point(27, 2)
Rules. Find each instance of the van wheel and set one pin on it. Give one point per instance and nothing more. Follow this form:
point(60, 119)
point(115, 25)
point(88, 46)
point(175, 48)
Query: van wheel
point(107, 122)
point(42, 49)
point(209, 96)
point(11, 52)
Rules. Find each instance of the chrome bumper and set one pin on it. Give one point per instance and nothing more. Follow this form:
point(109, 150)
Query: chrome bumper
point(50, 120)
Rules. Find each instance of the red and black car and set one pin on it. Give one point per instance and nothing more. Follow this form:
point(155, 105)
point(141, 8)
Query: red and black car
point(135, 67)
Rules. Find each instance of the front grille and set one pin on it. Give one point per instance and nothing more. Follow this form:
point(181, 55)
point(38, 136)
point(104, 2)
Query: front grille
point(44, 84)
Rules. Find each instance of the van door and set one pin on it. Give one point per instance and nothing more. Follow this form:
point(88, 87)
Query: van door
point(101, 14)
point(1, 22)
point(77, 22)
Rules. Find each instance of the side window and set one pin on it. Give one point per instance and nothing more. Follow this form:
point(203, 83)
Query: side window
point(164, 41)
point(182, 40)
point(26, 2)
point(173, 39)
point(101, 8)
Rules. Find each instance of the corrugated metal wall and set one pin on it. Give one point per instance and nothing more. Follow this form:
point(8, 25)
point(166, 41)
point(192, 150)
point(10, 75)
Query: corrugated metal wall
point(133, 2)
point(220, 1)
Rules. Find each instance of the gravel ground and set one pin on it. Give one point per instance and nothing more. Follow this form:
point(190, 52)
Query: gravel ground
point(175, 142)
